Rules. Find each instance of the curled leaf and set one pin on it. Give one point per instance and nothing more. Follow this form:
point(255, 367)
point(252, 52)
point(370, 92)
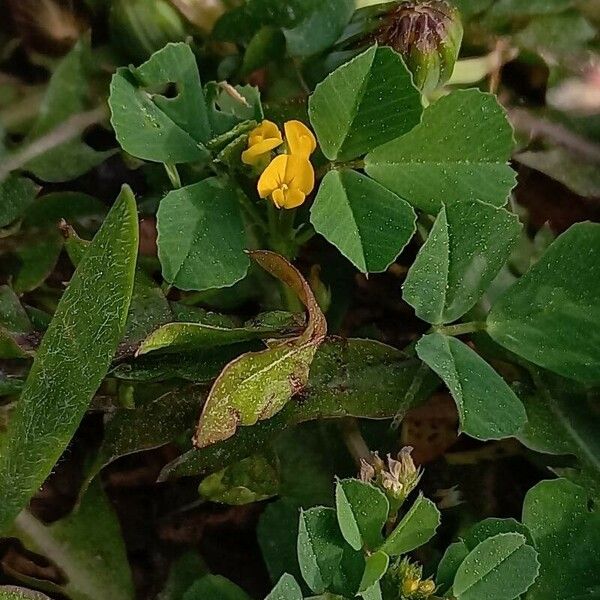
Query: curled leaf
point(257, 385)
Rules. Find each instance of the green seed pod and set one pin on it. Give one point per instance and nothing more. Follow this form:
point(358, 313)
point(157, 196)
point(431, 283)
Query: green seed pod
point(428, 34)
point(140, 27)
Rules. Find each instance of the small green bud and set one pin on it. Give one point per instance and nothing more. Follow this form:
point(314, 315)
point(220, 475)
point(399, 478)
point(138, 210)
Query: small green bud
point(404, 581)
point(428, 34)
point(140, 27)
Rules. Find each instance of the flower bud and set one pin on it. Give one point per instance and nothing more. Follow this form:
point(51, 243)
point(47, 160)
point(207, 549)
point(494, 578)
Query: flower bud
point(396, 479)
point(403, 581)
point(140, 27)
point(428, 34)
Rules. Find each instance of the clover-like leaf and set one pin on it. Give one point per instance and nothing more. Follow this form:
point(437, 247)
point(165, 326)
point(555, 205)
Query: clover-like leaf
point(363, 104)
point(551, 316)
point(416, 528)
point(466, 248)
point(366, 222)
point(500, 568)
point(327, 562)
point(459, 151)
point(487, 407)
point(566, 531)
point(362, 511)
point(201, 237)
point(257, 385)
point(152, 126)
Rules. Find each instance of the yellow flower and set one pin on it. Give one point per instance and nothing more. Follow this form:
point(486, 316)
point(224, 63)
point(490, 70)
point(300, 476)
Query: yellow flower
point(287, 180)
point(263, 139)
point(300, 139)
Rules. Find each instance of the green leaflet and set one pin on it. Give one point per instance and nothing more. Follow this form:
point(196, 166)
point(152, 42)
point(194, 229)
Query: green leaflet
point(376, 565)
point(287, 588)
point(366, 102)
point(16, 196)
point(327, 562)
point(468, 245)
point(257, 385)
point(487, 407)
point(458, 152)
point(551, 316)
point(89, 322)
point(151, 126)
point(366, 222)
point(362, 511)
point(201, 237)
point(86, 546)
point(566, 531)
point(500, 568)
point(562, 420)
point(416, 528)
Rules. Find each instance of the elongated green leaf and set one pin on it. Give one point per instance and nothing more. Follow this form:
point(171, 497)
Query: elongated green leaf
point(551, 316)
point(196, 336)
point(460, 151)
point(10, 592)
point(466, 248)
point(416, 528)
point(258, 385)
point(72, 359)
point(68, 94)
point(16, 195)
point(149, 425)
point(500, 568)
point(362, 511)
point(363, 104)
point(487, 407)
point(327, 562)
point(151, 126)
point(15, 325)
point(201, 238)
point(86, 546)
point(287, 588)
point(368, 224)
point(359, 378)
point(566, 531)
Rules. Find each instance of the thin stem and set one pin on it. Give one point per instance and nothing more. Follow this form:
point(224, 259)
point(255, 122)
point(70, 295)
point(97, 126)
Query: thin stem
point(173, 174)
point(462, 328)
point(305, 235)
point(353, 439)
point(66, 131)
point(410, 395)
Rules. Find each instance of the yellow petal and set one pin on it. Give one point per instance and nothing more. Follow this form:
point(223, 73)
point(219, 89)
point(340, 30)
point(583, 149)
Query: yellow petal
point(268, 129)
point(300, 139)
point(299, 174)
point(273, 176)
point(293, 198)
point(255, 151)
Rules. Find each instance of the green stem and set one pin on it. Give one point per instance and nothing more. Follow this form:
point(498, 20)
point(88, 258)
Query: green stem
point(253, 213)
point(173, 174)
point(461, 328)
point(305, 235)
